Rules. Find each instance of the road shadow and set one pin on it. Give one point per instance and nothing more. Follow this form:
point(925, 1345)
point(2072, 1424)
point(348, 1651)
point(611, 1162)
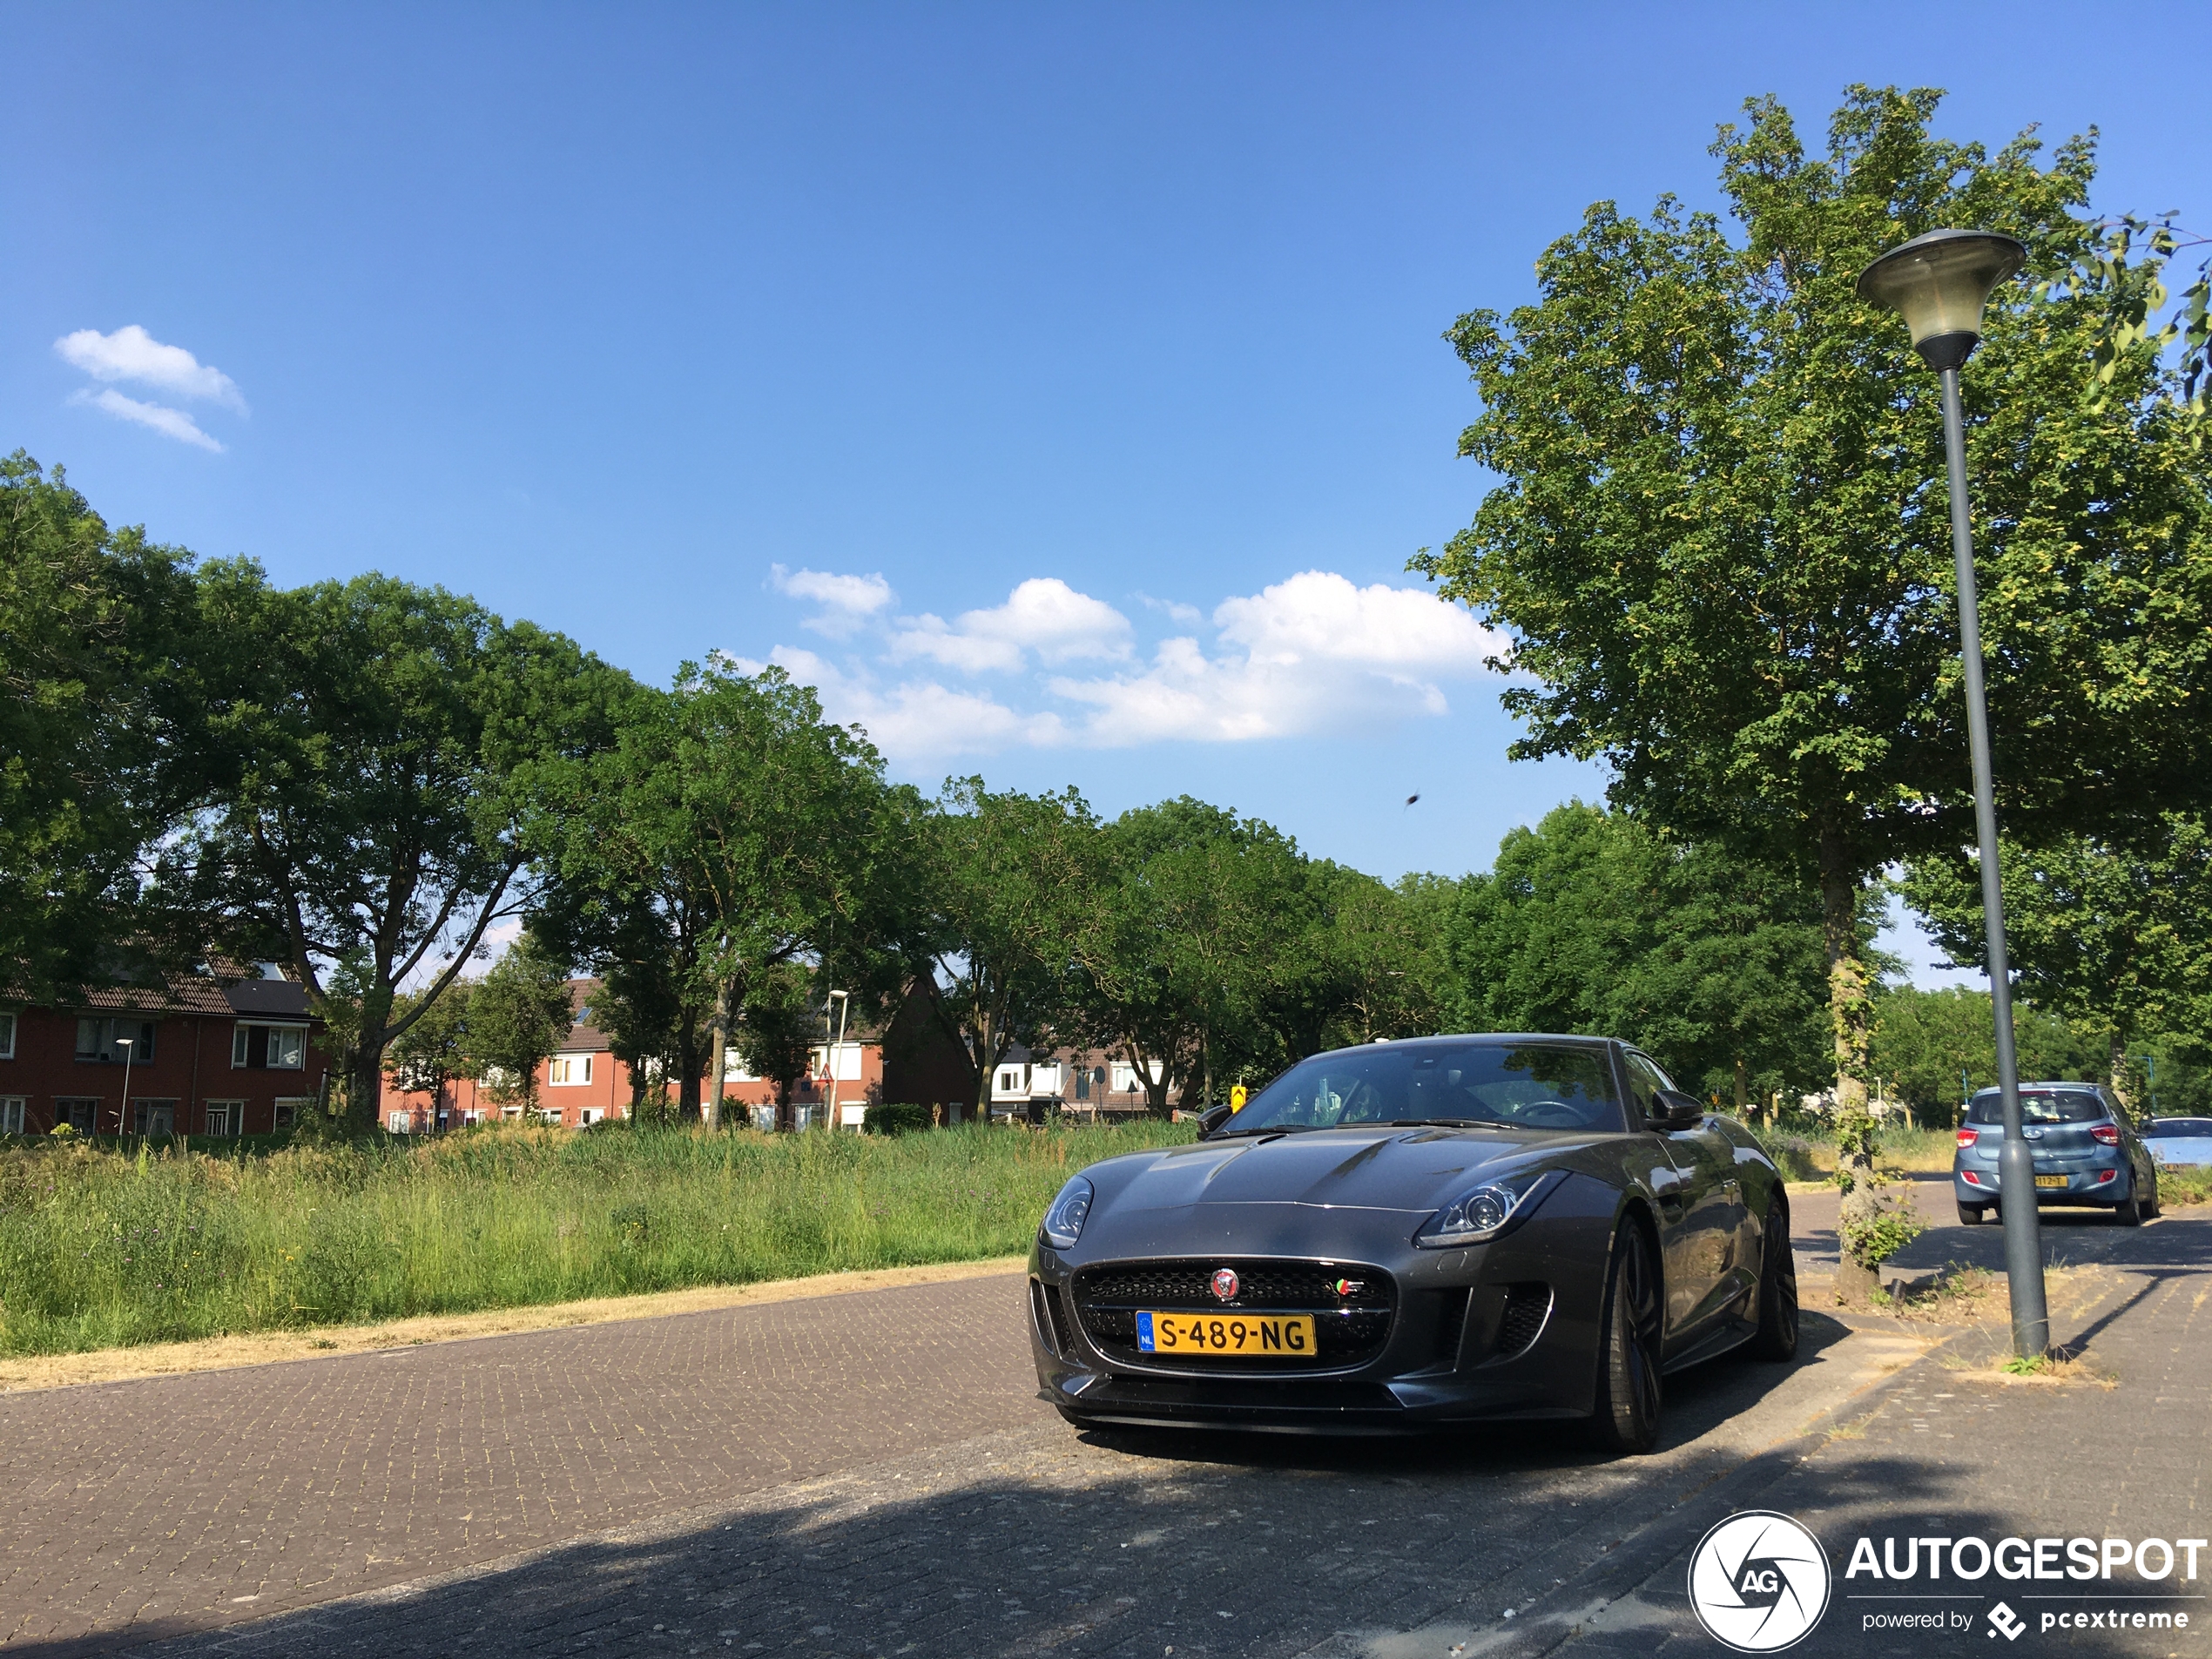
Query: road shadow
point(1047, 1553)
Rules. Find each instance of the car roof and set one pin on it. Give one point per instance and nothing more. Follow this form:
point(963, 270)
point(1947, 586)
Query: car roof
point(2079, 1088)
point(1579, 1042)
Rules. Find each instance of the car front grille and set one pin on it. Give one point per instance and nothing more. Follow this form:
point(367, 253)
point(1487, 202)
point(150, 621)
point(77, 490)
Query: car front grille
point(1354, 1306)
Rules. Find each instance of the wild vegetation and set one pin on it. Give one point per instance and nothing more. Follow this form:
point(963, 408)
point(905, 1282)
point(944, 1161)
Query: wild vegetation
point(100, 1248)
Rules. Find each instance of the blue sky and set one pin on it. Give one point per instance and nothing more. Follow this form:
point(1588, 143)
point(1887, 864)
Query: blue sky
point(1060, 388)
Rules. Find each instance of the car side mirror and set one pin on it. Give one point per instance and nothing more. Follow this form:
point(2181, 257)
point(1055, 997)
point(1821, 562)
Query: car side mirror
point(1211, 1119)
point(1677, 1110)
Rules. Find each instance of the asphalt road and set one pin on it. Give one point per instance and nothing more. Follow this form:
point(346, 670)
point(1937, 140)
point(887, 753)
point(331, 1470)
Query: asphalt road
point(867, 1474)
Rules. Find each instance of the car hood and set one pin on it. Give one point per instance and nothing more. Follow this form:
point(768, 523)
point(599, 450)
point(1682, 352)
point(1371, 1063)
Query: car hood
point(1386, 1167)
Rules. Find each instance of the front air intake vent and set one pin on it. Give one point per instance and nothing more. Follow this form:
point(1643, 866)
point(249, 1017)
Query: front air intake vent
point(1528, 1308)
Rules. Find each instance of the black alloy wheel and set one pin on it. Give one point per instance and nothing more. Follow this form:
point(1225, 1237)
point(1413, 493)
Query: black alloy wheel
point(1777, 1336)
point(1627, 1418)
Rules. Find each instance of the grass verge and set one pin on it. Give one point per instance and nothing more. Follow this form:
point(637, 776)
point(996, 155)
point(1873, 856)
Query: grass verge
point(101, 1249)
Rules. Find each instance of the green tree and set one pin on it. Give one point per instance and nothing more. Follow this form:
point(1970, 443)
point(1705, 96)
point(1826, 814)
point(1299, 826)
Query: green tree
point(1720, 546)
point(639, 1008)
point(777, 1026)
point(432, 1050)
point(1007, 881)
point(98, 749)
point(1191, 935)
point(727, 830)
point(1591, 923)
point(384, 748)
point(517, 1016)
point(1935, 1049)
point(2116, 939)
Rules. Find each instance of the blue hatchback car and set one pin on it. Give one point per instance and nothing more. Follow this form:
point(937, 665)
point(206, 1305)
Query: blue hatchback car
point(2085, 1152)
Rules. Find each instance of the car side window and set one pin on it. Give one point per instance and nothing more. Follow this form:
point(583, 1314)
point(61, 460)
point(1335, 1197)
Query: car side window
point(1645, 1080)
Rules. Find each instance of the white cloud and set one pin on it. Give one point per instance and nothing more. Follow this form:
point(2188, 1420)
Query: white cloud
point(1319, 656)
point(1314, 655)
point(131, 354)
point(169, 422)
point(846, 601)
point(1043, 616)
point(1177, 612)
point(915, 720)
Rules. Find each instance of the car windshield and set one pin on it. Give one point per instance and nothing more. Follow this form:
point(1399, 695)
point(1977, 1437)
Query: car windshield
point(2179, 1127)
point(2040, 1106)
point(1525, 1085)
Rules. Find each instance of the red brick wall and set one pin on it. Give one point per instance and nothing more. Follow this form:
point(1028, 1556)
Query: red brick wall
point(190, 1066)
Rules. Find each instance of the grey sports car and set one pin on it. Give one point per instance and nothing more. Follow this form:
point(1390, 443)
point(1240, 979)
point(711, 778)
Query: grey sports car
point(1440, 1231)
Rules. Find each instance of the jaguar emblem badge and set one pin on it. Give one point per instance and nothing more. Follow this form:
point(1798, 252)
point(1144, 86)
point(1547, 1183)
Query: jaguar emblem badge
point(1224, 1283)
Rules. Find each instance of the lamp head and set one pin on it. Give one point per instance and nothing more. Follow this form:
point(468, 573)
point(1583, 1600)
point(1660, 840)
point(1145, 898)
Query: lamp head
point(1939, 283)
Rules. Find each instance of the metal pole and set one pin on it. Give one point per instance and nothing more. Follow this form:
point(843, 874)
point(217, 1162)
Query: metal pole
point(2016, 1164)
point(123, 1112)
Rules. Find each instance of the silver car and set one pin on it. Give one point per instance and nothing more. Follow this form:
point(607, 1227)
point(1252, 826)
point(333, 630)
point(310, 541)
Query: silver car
point(2179, 1141)
point(2085, 1152)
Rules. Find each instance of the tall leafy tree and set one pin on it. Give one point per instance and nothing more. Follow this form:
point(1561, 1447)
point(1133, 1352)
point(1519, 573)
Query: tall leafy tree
point(1720, 547)
point(99, 748)
point(431, 1052)
point(1191, 934)
point(517, 1016)
point(384, 750)
point(2115, 937)
point(1007, 879)
point(728, 829)
point(777, 1026)
point(1590, 922)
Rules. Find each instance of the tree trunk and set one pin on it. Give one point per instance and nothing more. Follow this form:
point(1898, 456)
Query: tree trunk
point(1850, 1010)
point(718, 1054)
point(2116, 1071)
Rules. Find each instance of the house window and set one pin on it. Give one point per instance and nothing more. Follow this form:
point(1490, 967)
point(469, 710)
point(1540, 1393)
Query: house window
point(7, 1036)
point(400, 1123)
point(153, 1117)
point(269, 1048)
point(290, 1112)
point(75, 1111)
point(591, 1114)
point(11, 1115)
point(1082, 1082)
point(107, 1041)
point(568, 1068)
point(1008, 1081)
point(1124, 1077)
point(225, 1117)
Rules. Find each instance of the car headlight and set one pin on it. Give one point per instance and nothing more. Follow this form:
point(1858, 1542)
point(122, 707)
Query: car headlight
point(1063, 1223)
point(1483, 1212)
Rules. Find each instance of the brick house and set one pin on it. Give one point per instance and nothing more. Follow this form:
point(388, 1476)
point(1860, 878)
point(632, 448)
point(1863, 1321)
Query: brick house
point(224, 1052)
point(582, 1082)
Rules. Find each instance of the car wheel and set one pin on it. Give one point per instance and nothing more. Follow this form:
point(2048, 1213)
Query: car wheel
point(2128, 1212)
point(1627, 1418)
point(1777, 1336)
point(1972, 1215)
point(2153, 1210)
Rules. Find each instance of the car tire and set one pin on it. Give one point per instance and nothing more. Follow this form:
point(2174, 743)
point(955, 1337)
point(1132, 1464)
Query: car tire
point(2152, 1211)
point(1630, 1331)
point(1972, 1215)
point(1777, 1336)
point(2128, 1212)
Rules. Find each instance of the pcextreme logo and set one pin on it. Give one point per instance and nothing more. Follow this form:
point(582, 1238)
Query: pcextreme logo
point(1759, 1582)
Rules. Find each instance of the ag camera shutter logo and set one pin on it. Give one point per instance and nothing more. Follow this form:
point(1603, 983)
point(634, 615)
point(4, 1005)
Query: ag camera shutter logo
point(1758, 1581)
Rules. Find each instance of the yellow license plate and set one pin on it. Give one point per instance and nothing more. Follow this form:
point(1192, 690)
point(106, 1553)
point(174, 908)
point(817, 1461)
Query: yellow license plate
point(1250, 1336)
point(2050, 1180)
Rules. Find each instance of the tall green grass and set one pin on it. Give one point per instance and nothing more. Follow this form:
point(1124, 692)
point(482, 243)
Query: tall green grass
point(100, 1248)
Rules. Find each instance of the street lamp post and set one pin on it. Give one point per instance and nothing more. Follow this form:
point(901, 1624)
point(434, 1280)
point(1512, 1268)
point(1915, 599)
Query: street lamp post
point(843, 999)
point(123, 1111)
point(1939, 283)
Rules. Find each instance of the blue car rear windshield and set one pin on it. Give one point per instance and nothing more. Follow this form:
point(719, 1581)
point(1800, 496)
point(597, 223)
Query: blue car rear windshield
point(1537, 1086)
point(2040, 1106)
point(2180, 1128)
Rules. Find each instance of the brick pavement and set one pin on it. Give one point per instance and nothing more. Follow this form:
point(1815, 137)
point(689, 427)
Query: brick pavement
point(994, 1530)
point(172, 1503)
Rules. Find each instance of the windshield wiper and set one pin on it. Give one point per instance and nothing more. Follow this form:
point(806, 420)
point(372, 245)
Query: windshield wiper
point(1264, 1128)
point(1443, 1122)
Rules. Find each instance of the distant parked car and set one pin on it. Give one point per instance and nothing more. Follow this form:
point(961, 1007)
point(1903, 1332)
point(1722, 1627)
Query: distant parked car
point(2085, 1152)
point(2179, 1140)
